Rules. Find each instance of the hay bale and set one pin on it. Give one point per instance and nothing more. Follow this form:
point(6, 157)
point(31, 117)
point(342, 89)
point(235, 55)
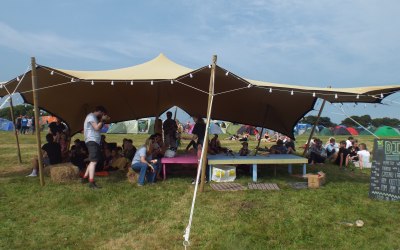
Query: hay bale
point(64, 173)
point(132, 176)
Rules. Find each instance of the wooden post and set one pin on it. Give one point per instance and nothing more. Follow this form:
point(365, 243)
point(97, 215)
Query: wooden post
point(36, 112)
point(313, 128)
point(209, 109)
point(15, 130)
point(262, 129)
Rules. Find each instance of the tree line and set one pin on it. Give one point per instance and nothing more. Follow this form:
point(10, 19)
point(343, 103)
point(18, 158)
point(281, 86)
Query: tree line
point(25, 109)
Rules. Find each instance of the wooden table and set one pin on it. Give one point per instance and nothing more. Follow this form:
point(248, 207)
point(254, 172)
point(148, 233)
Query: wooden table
point(288, 159)
point(179, 159)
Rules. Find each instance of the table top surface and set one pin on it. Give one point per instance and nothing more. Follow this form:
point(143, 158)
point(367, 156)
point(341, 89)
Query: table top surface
point(257, 159)
point(186, 158)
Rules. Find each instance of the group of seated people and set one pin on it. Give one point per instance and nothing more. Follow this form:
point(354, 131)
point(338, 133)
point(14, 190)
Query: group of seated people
point(342, 154)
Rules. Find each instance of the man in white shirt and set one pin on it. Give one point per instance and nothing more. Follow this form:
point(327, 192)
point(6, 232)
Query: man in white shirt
point(349, 142)
point(91, 130)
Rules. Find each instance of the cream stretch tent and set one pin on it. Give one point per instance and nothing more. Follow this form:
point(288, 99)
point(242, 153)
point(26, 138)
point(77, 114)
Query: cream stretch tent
point(150, 88)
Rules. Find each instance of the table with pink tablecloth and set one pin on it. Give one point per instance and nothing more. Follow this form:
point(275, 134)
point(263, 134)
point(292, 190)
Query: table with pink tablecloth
point(179, 159)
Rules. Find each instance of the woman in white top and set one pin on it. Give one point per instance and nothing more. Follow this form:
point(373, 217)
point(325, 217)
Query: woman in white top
point(364, 157)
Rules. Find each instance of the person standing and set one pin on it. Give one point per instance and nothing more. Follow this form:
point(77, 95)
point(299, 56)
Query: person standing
point(24, 125)
point(18, 124)
point(170, 128)
point(199, 131)
point(91, 129)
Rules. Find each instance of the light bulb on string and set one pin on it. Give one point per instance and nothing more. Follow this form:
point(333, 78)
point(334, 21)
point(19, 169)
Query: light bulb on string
point(152, 82)
point(112, 83)
point(72, 80)
point(270, 90)
point(249, 86)
point(313, 94)
point(92, 82)
point(172, 81)
point(191, 76)
point(336, 96)
point(1, 86)
point(381, 95)
point(52, 72)
point(227, 73)
point(209, 66)
point(131, 83)
point(18, 78)
point(291, 92)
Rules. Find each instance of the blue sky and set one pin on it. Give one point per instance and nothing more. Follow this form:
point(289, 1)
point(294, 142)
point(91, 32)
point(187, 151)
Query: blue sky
point(310, 42)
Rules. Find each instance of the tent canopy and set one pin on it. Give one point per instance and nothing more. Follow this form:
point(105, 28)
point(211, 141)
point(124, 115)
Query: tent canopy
point(145, 90)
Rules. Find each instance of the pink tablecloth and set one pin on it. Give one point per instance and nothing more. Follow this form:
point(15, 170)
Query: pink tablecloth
point(179, 159)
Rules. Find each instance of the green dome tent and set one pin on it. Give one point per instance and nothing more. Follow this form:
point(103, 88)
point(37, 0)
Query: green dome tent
point(142, 126)
point(387, 131)
point(326, 132)
point(232, 129)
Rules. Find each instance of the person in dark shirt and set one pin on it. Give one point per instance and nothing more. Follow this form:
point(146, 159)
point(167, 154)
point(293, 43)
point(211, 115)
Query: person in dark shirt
point(51, 152)
point(343, 155)
point(170, 127)
point(199, 131)
point(56, 128)
point(129, 150)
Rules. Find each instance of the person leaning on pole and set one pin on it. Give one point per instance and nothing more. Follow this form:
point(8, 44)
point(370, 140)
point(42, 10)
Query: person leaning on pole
point(91, 129)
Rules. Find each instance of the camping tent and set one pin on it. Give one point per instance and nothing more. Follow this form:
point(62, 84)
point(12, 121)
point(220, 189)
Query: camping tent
point(304, 128)
point(6, 125)
point(341, 130)
point(352, 131)
point(387, 131)
point(251, 130)
point(233, 128)
point(215, 129)
point(326, 132)
point(151, 88)
point(142, 126)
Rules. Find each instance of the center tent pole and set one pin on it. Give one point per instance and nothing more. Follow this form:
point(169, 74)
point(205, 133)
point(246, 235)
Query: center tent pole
point(209, 109)
point(313, 128)
point(36, 112)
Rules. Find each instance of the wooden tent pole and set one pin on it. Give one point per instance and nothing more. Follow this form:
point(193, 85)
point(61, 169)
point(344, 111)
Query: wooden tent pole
point(36, 112)
point(209, 109)
point(15, 130)
point(313, 128)
point(262, 129)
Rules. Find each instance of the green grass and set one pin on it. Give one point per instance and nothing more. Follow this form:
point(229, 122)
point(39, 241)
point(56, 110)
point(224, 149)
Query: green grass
point(122, 216)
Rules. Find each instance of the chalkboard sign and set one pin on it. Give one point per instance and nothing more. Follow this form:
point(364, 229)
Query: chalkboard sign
point(385, 172)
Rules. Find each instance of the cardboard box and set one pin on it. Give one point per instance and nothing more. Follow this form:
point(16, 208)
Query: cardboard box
point(316, 180)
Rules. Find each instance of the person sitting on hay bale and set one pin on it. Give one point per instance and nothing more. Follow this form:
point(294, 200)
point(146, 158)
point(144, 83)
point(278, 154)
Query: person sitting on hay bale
point(143, 163)
point(51, 152)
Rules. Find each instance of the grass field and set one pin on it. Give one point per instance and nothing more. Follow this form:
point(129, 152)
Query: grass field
point(122, 216)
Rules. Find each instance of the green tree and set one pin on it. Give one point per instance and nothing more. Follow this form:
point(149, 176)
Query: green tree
point(364, 120)
point(386, 121)
point(324, 121)
point(25, 109)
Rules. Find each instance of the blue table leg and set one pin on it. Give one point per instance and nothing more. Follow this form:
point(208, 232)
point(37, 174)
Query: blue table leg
point(304, 169)
point(290, 170)
point(210, 173)
point(254, 172)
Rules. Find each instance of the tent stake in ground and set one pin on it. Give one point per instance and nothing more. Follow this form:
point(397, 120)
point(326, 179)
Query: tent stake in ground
point(209, 109)
point(15, 130)
point(36, 112)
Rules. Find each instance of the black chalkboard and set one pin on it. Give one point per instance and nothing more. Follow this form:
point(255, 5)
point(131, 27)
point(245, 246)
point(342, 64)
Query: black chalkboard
point(385, 171)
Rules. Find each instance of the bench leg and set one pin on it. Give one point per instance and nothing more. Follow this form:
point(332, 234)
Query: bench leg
point(304, 169)
point(164, 172)
point(210, 173)
point(254, 172)
point(290, 170)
